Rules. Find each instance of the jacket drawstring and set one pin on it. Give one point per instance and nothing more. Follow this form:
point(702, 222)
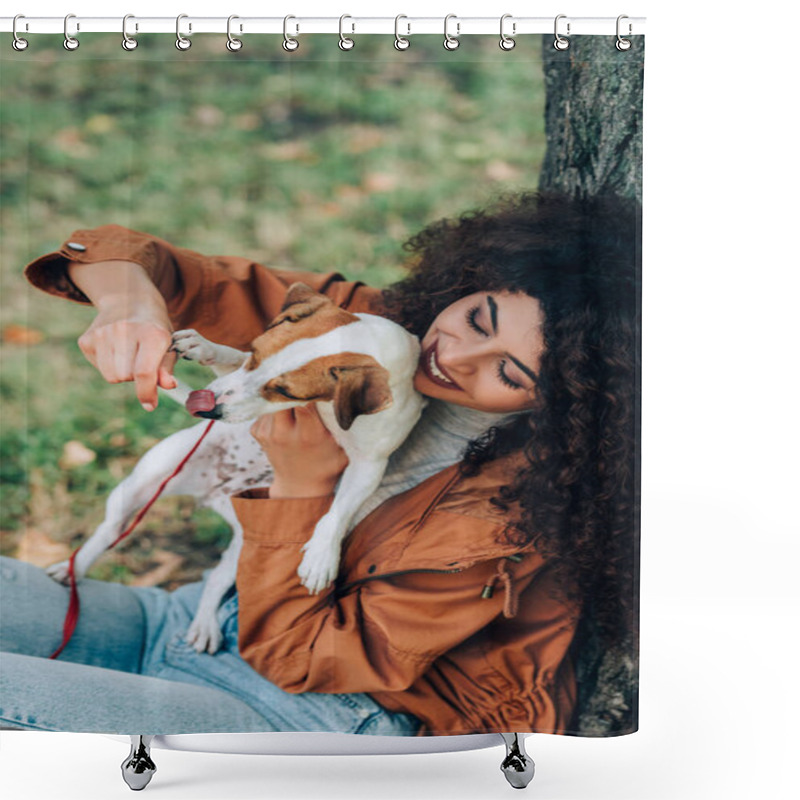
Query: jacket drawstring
point(510, 604)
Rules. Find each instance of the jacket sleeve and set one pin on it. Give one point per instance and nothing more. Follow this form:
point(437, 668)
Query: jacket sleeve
point(377, 635)
point(227, 299)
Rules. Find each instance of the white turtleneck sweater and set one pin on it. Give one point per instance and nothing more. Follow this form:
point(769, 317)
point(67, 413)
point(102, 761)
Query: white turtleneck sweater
point(438, 440)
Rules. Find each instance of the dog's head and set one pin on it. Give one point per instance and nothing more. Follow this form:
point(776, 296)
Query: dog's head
point(304, 356)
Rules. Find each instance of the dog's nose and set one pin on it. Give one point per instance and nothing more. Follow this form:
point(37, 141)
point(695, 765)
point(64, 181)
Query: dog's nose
point(215, 413)
point(203, 403)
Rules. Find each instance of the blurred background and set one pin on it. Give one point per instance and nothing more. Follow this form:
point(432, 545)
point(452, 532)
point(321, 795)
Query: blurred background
point(318, 160)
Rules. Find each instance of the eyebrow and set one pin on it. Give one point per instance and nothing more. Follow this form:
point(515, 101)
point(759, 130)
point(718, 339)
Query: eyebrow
point(493, 311)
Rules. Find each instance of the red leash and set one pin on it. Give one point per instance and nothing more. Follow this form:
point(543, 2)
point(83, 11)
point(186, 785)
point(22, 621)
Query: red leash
point(71, 620)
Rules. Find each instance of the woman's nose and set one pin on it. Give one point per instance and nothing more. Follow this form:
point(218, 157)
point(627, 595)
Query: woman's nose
point(461, 358)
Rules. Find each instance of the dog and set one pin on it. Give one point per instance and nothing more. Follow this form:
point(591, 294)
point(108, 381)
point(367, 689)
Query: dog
point(357, 368)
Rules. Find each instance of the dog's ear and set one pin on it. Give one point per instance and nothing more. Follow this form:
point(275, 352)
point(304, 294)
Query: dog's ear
point(300, 301)
point(359, 390)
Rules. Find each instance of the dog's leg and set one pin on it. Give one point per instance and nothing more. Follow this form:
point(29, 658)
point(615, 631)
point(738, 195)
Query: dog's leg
point(320, 563)
point(189, 344)
point(132, 494)
point(204, 633)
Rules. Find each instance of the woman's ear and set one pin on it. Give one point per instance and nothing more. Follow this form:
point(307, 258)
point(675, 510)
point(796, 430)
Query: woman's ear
point(359, 390)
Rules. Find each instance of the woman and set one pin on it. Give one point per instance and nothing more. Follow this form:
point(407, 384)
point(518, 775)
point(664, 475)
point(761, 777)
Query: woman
point(510, 507)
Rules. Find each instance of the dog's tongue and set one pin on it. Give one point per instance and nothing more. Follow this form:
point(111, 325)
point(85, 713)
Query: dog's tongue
point(200, 400)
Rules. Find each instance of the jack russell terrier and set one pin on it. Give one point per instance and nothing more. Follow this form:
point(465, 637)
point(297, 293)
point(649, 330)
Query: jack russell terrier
point(358, 368)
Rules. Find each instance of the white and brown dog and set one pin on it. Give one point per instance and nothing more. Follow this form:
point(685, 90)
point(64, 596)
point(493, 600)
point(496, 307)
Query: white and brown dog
point(358, 368)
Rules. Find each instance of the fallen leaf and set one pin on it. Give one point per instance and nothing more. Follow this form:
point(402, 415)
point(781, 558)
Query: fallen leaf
point(100, 124)
point(379, 182)
point(501, 171)
point(39, 549)
point(75, 454)
point(209, 116)
point(20, 334)
point(167, 564)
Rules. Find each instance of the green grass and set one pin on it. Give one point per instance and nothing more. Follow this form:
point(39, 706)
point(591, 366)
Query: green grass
point(316, 160)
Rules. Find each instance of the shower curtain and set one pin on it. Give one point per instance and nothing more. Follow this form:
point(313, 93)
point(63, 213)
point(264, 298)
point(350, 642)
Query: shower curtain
point(492, 584)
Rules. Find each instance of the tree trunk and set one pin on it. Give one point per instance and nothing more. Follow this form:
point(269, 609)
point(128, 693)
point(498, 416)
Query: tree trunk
point(593, 122)
point(593, 117)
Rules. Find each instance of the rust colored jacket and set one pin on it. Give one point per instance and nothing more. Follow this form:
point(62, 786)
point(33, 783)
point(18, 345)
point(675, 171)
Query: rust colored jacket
point(408, 620)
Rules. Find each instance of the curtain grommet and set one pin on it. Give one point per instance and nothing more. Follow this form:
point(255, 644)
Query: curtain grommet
point(400, 42)
point(290, 43)
point(181, 42)
point(451, 42)
point(128, 42)
point(623, 44)
point(233, 44)
point(561, 42)
point(345, 43)
point(70, 42)
point(507, 42)
point(18, 43)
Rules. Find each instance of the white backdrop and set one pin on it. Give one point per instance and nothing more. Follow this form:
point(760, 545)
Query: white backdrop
point(719, 695)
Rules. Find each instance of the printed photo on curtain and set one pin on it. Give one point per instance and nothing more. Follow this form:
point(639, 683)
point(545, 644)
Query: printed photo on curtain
point(321, 386)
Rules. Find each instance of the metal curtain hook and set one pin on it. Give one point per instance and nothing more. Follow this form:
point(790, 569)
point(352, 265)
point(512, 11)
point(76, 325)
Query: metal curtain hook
point(233, 44)
point(70, 43)
point(506, 42)
point(560, 43)
point(623, 44)
point(19, 43)
point(344, 42)
point(451, 42)
point(182, 43)
point(128, 42)
point(401, 43)
point(289, 43)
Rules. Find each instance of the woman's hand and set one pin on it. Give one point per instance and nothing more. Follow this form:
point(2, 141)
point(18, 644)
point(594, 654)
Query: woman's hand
point(130, 337)
point(304, 455)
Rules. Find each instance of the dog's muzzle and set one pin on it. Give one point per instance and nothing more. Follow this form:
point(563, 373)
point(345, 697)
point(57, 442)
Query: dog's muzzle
point(203, 403)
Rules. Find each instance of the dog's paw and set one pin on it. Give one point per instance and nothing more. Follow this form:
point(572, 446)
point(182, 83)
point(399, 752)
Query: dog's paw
point(60, 572)
point(319, 566)
point(189, 344)
point(204, 634)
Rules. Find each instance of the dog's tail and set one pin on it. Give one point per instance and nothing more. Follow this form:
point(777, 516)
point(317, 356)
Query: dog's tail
point(180, 394)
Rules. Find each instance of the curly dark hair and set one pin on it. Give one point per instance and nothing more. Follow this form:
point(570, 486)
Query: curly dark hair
point(578, 495)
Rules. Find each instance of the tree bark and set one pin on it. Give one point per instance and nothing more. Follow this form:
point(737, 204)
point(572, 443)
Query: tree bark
point(593, 123)
point(593, 117)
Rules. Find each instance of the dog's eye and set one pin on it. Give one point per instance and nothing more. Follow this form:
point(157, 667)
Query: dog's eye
point(283, 391)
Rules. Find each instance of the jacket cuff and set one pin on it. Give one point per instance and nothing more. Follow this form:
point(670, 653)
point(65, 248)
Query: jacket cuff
point(50, 272)
point(289, 520)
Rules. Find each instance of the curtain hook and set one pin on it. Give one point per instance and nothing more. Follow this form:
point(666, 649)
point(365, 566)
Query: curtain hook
point(344, 42)
point(290, 44)
point(182, 43)
point(128, 41)
point(400, 42)
point(19, 43)
point(70, 42)
point(233, 44)
point(623, 44)
point(560, 42)
point(451, 42)
point(506, 42)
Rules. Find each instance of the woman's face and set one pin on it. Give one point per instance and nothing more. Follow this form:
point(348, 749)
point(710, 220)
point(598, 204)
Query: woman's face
point(483, 352)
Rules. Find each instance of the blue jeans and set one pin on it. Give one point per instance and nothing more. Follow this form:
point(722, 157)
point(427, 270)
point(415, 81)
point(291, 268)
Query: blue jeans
point(128, 670)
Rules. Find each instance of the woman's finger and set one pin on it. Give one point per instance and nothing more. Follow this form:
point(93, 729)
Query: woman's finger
point(166, 380)
point(150, 354)
point(104, 357)
point(124, 356)
point(261, 429)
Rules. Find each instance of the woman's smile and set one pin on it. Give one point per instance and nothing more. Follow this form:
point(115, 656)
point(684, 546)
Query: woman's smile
point(434, 371)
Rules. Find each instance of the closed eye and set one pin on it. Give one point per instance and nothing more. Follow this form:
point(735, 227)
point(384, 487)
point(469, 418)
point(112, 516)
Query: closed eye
point(472, 315)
